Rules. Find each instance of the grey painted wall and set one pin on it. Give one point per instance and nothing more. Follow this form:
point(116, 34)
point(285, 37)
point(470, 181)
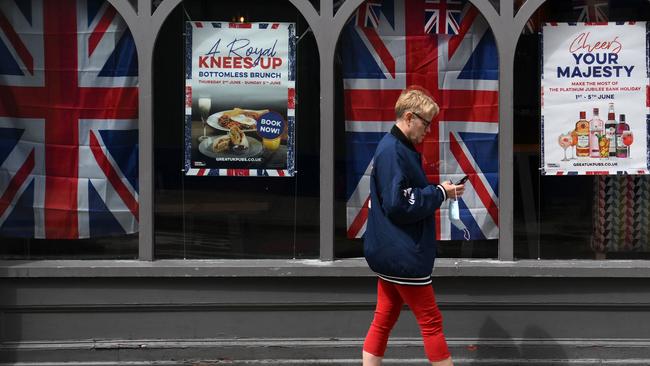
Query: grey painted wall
point(299, 319)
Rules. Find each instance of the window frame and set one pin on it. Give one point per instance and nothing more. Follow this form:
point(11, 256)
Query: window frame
point(327, 27)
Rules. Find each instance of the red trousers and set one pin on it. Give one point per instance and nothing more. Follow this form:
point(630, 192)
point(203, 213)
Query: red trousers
point(390, 299)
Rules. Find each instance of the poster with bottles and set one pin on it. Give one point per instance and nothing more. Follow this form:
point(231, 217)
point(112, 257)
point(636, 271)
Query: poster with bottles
point(595, 115)
point(240, 99)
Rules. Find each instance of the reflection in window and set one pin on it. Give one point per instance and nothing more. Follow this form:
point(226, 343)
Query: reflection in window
point(233, 217)
point(68, 176)
point(380, 52)
point(571, 216)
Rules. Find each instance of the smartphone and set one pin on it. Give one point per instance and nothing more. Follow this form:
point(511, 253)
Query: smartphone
point(462, 180)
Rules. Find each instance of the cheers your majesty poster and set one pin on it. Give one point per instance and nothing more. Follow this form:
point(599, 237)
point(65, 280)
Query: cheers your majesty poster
point(240, 99)
point(594, 98)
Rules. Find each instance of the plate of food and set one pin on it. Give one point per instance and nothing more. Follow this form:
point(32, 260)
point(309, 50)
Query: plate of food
point(244, 119)
point(234, 144)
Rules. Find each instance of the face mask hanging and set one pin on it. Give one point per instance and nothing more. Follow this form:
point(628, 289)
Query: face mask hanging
point(454, 217)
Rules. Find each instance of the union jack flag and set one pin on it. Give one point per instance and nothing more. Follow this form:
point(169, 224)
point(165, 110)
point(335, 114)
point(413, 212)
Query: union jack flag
point(442, 16)
point(461, 72)
point(68, 120)
point(591, 11)
point(368, 14)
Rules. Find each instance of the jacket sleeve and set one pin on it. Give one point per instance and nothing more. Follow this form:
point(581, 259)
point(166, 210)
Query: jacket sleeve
point(402, 202)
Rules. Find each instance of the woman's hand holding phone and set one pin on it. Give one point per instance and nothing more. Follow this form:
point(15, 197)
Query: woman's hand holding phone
point(462, 180)
point(455, 190)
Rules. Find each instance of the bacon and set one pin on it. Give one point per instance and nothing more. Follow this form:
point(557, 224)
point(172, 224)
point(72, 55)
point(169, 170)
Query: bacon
point(227, 122)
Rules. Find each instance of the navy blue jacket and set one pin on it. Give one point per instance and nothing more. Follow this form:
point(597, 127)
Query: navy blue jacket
point(400, 238)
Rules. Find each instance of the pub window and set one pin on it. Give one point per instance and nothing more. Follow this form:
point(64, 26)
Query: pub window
point(581, 191)
point(386, 46)
point(204, 205)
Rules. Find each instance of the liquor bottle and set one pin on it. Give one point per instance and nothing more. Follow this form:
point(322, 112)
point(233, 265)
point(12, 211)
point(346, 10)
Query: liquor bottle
point(622, 151)
point(582, 130)
point(596, 126)
point(610, 130)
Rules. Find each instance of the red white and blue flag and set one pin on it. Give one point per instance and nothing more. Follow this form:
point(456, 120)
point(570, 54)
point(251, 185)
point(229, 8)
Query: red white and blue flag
point(442, 16)
point(591, 11)
point(461, 72)
point(68, 120)
point(368, 14)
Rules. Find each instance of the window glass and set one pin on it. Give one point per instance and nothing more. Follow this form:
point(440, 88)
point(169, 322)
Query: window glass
point(518, 4)
point(337, 4)
point(68, 176)
point(384, 48)
point(315, 4)
point(496, 4)
point(225, 216)
point(581, 216)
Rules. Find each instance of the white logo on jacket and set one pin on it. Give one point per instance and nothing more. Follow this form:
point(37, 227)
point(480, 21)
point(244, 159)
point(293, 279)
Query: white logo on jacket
point(410, 195)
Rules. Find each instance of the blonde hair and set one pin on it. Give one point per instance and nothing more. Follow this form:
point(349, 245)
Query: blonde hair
point(416, 99)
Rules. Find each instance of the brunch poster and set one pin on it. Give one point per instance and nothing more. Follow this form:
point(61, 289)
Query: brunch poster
point(595, 87)
point(240, 99)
